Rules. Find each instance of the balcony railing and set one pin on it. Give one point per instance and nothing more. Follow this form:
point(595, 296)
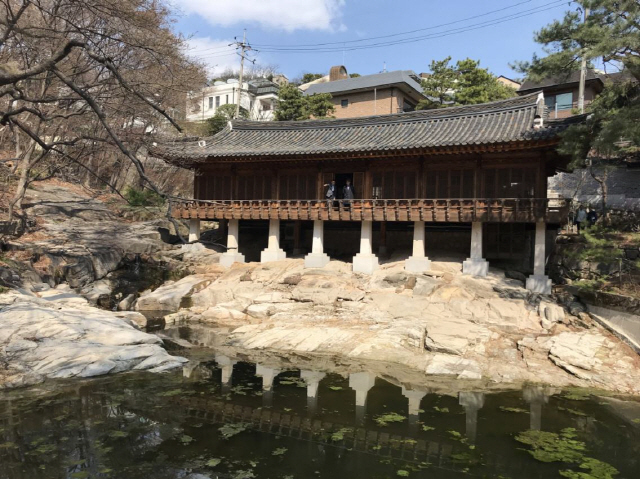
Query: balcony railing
point(502, 210)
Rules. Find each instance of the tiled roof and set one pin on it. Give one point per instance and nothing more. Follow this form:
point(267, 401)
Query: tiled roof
point(570, 78)
point(398, 77)
point(474, 126)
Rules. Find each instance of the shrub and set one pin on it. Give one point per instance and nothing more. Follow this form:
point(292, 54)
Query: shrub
point(143, 197)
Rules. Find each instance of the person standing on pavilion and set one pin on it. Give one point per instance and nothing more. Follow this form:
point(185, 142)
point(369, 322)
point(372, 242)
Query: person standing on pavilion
point(348, 193)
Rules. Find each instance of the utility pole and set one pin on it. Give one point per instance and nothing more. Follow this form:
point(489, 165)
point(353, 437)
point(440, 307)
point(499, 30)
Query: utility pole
point(244, 48)
point(583, 70)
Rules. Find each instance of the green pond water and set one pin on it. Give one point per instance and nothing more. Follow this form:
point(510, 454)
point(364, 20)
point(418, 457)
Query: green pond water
point(218, 419)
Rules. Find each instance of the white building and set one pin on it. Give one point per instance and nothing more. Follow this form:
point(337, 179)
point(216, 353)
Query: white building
point(258, 97)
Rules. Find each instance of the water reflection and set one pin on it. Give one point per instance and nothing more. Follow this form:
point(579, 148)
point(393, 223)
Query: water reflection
point(271, 419)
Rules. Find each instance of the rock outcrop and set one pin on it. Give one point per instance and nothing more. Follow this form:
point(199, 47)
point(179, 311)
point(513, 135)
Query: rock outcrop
point(443, 323)
point(57, 334)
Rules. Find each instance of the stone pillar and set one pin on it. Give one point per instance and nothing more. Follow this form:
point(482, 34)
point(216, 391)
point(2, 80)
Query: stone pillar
point(312, 378)
point(476, 265)
point(365, 261)
point(317, 258)
point(194, 230)
point(267, 374)
point(273, 251)
point(361, 383)
point(472, 402)
point(417, 262)
point(538, 282)
point(226, 366)
point(297, 233)
point(232, 255)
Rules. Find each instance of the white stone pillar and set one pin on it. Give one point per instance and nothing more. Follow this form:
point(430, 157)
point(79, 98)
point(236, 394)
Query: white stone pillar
point(472, 403)
point(538, 282)
point(232, 255)
point(194, 230)
point(476, 265)
point(365, 261)
point(418, 262)
point(273, 251)
point(414, 396)
point(317, 258)
point(267, 374)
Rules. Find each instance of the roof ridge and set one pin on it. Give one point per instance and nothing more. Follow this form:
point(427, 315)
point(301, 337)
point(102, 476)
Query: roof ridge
point(529, 100)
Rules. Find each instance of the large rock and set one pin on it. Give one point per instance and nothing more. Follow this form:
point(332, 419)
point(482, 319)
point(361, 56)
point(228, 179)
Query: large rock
point(42, 338)
point(325, 290)
point(172, 296)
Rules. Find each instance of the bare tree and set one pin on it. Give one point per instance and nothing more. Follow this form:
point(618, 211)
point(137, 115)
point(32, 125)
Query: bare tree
point(88, 82)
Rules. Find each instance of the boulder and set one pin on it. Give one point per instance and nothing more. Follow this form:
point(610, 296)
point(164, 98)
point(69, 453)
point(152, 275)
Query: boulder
point(171, 297)
point(425, 286)
point(127, 302)
point(323, 290)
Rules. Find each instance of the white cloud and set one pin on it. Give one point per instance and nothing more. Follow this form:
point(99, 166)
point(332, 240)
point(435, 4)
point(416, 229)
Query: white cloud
point(216, 54)
point(288, 15)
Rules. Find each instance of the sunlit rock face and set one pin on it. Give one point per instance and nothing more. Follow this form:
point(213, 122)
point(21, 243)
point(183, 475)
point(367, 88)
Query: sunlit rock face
point(59, 335)
point(440, 322)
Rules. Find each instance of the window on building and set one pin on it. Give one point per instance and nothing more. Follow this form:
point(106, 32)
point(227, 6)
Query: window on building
point(564, 101)
point(217, 101)
point(344, 103)
point(210, 102)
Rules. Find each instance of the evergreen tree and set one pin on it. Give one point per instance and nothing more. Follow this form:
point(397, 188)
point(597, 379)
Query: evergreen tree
point(463, 84)
point(610, 33)
point(293, 105)
point(223, 115)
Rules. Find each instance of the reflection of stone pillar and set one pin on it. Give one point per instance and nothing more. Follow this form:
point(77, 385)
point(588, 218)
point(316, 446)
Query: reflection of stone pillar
point(232, 255)
point(414, 396)
point(361, 383)
point(273, 252)
point(537, 396)
point(538, 282)
point(417, 262)
point(267, 374)
point(317, 258)
point(476, 265)
point(226, 366)
point(472, 402)
point(267, 398)
point(312, 378)
point(194, 230)
point(365, 261)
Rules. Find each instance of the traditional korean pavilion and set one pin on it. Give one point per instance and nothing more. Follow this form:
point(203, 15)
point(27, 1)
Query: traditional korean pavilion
point(479, 169)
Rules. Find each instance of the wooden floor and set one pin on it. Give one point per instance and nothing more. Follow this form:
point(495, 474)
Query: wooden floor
point(430, 210)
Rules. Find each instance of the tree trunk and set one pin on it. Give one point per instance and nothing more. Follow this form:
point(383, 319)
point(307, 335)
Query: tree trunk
point(602, 181)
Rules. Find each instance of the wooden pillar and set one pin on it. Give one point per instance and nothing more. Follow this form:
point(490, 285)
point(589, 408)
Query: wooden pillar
point(383, 252)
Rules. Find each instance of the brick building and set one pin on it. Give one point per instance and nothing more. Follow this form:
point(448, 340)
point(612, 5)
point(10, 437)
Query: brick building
point(378, 94)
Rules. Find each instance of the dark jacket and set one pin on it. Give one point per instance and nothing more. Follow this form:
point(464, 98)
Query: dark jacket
point(331, 192)
point(348, 193)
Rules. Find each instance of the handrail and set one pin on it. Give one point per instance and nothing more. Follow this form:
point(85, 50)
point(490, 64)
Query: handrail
point(412, 209)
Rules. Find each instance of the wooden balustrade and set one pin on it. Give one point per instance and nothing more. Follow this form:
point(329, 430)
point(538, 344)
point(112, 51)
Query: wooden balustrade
point(499, 210)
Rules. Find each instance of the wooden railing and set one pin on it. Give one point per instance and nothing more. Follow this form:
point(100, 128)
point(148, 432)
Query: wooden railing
point(501, 210)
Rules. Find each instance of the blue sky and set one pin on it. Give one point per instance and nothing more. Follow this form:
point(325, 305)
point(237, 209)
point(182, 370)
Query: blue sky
point(212, 25)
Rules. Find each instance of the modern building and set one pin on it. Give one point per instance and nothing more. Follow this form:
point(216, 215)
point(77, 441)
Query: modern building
point(259, 98)
point(561, 92)
point(474, 176)
point(509, 82)
point(378, 94)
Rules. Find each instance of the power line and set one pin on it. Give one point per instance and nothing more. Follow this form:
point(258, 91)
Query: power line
point(496, 21)
point(407, 32)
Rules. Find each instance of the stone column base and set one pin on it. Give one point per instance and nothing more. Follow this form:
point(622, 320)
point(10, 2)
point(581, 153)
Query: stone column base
point(268, 255)
point(539, 284)
point(316, 260)
point(230, 257)
point(365, 263)
point(415, 264)
point(475, 267)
